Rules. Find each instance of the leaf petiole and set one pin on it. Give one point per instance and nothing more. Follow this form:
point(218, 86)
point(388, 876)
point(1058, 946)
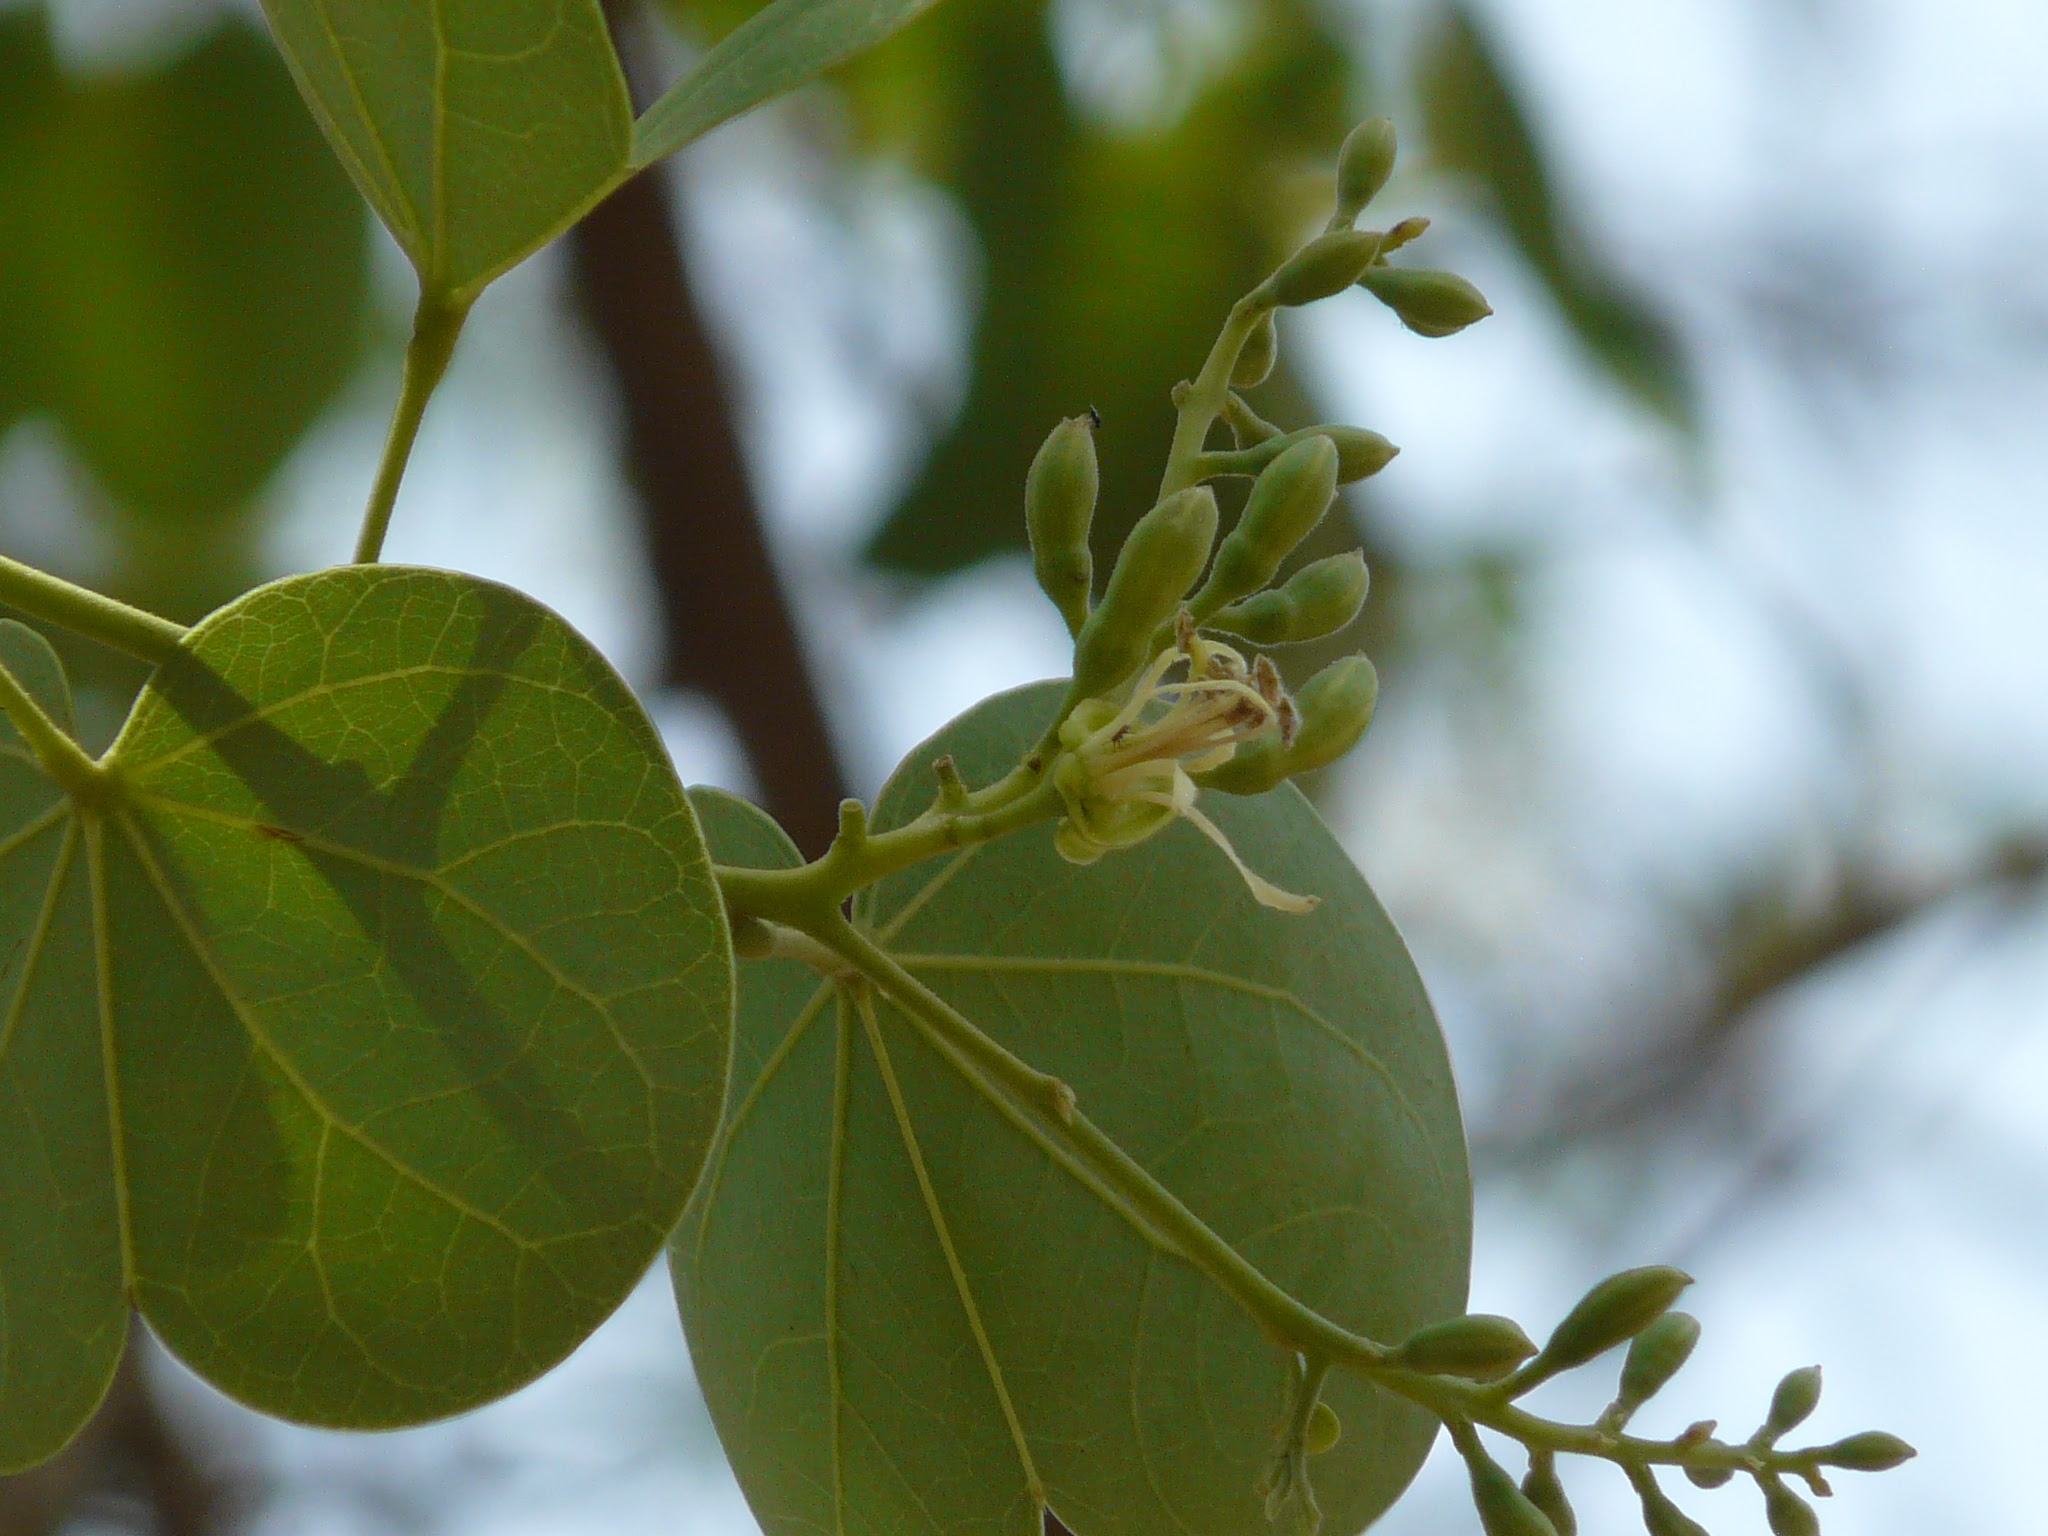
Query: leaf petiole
point(88, 613)
point(437, 323)
point(62, 758)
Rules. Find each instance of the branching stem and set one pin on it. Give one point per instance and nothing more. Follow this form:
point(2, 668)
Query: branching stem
point(809, 897)
point(436, 325)
point(88, 613)
point(1203, 401)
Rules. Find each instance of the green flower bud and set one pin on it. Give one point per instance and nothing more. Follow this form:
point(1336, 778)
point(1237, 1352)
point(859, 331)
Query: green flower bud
point(1256, 357)
point(1661, 1517)
point(1480, 1347)
point(1654, 1358)
point(1327, 264)
point(1429, 303)
point(1289, 498)
point(1317, 600)
point(1871, 1451)
point(1709, 1477)
point(1160, 560)
point(1359, 453)
point(1542, 1488)
point(1618, 1308)
point(1363, 166)
point(1794, 1401)
point(1788, 1514)
point(1324, 1430)
point(1504, 1510)
point(1333, 710)
point(1401, 234)
point(1059, 504)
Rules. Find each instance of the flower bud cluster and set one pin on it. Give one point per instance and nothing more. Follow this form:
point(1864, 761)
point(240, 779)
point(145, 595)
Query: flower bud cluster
point(1156, 711)
point(1633, 1307)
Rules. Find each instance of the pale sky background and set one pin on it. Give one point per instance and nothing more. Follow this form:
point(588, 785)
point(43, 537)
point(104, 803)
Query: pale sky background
point(1776, 171)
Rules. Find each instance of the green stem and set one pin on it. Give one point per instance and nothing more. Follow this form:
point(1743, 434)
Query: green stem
point(1204, 399)
point(62, 758)
point(87, 613)
point(1282, 1315)
point(810, 896)
point(436, 325)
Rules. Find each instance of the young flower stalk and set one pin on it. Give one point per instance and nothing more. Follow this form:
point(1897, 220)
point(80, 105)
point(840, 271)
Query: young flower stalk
point(1125, 773)
point(1158, 713)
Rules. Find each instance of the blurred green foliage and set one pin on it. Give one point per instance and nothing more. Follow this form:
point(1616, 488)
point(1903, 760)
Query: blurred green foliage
point(1477, 129)
point(1109, 248)
point(183, 277)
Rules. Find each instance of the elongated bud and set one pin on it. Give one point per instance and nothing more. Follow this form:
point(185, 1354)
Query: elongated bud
point(1871, 1451)
point(1059, 505)
point(1363, 166)
point(1429, 303)
point(1504, 1510)
point(1359, 453)
point(1403, 233)
point(1542, 1488)
point(1289, 498)
point(1661, 1517)
point(1787, 1513)
point(1481, 1347)
point(1317, 600)
point(1256, 358)
point(1654, 1358)
point(1158, 563)
point(1334, 709)
point(1791, 1405)
point(1327, 264)
point(1324, 1430)
point(1618, 1308)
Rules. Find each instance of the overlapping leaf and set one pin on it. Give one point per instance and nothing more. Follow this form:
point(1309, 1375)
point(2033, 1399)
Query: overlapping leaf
point(370, 1034)
point(182, 269)
point(478, 129)
point(910, 1311)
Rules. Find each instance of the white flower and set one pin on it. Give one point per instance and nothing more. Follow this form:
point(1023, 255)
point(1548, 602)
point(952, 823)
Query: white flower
point(1126, 771)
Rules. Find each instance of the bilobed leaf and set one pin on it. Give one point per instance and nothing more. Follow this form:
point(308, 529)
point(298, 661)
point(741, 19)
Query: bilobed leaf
point(478, 129)
point(911, 1310)
point(1478, 129)
point(777, 50)
point(371, 1033)
point(185, 270)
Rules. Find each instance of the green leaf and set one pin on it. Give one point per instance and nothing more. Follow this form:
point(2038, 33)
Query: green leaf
point(37, 667)
point(910, 1310)
point(1476, 128)
point(371, 1033)
point(777, 50)
point(185, 271)
point(478, 129)
point(63, 1316)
